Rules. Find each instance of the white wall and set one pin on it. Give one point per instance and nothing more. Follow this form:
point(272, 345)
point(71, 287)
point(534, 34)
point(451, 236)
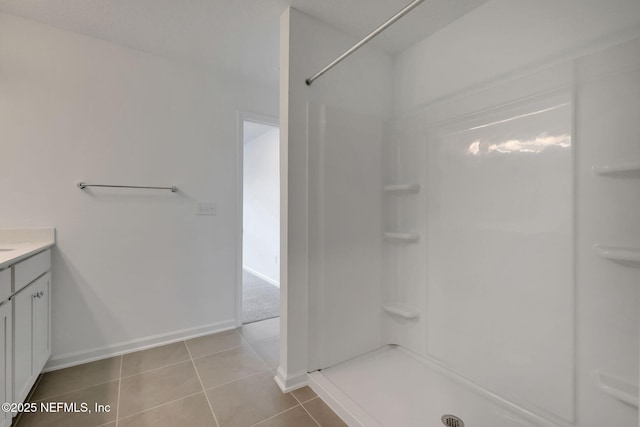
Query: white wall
point(362, 87)
point(130, 267)
point(261, 206)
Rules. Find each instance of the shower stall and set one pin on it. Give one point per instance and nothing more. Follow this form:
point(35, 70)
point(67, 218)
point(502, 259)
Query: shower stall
point(460, 228)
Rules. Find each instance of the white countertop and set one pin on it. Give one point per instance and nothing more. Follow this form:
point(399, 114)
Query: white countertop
point(23, 243)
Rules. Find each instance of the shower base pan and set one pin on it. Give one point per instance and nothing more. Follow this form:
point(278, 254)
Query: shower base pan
point(393, 387)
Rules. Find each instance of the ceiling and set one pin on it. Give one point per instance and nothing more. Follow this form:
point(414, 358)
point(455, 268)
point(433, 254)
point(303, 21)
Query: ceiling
point(233, 36)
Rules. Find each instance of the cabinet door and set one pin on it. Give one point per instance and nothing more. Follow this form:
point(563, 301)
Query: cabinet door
point(22, 340)
point(5, 361)
point(31, 338)
point(41, 323)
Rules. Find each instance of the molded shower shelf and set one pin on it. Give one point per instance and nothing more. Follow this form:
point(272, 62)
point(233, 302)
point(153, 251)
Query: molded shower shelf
point(630, 256)
point(619, 388)
point(629, 170)
point(402, 188)
point(402, 237)
point(401, 311)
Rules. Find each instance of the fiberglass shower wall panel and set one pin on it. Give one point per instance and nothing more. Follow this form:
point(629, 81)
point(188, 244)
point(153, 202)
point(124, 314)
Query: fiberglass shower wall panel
point(332, 201)
point(608, 127)
point(500, 301)
point(404, 268)
point(344, 232)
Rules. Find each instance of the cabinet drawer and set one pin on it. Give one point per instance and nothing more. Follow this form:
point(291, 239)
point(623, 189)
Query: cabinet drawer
point(31, 268)
point(5, 284)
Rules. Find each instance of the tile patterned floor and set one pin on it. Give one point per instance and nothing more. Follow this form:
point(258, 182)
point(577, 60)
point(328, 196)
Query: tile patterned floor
point(220, 380)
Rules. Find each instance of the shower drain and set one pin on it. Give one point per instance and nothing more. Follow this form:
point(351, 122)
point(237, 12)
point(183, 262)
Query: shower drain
point(452, 421)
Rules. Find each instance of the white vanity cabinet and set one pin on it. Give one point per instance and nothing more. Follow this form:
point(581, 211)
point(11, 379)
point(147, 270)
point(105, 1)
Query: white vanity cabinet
point(6, 349)
point(25, 311)
point(31, 342)
point(6, 357)
point(31, 305)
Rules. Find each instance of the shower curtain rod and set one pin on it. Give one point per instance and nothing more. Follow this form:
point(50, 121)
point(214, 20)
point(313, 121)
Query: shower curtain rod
point(358, 45)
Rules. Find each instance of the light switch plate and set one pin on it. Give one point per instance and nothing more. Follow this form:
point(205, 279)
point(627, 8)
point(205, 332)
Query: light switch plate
point(206, 208)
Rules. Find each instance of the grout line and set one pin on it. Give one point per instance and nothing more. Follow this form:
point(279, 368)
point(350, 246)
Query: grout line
point(306, 401)
point(238, 379)
point(242, 338)
point(309, 413)
point(120, 377)
point(75, 391)
point(155, 369)
point(202, 385)
point(260, 358)
point(161, 405)
point(294, 396)
point(185, 360)
point(267, 367)
point(212, 335)
point(245, 343)
point(273, 416)
point(266, 339)
point(119, 387)
point(260, 340)
point(219, 351)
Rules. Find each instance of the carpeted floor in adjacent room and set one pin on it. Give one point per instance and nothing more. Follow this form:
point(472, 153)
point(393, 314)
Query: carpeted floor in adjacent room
point(260, 299)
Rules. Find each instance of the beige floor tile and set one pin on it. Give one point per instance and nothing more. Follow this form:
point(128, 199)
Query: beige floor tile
point(140, 361)
point(323, 414)
point(153, 388)
point(228, 366)
point(304, 394)
point(104, 394)
point(269, 351)
point(250, 400)
point(296, 417)
point(259, 331)
point(77, 377)
point(210, 344)
point(192, 411)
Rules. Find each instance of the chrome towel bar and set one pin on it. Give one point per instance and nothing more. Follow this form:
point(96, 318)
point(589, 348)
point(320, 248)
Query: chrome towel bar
point(83, 185)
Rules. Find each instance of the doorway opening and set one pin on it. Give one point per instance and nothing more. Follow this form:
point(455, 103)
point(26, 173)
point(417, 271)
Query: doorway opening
point(260, 276)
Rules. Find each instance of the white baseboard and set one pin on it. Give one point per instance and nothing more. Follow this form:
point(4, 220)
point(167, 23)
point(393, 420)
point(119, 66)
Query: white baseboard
point(352, 414)
point(288, 383)
point(262, 276)
point(80, 357)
